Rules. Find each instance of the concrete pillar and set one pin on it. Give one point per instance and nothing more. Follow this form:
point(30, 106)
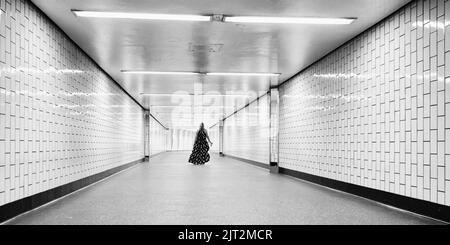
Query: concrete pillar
point(221, 138)
point(274, 129)
point(146, 134)
point(168, 139)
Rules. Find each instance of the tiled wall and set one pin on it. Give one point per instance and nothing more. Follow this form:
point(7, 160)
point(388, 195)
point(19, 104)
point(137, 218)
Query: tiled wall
point(182, 140)
point(376, 112)
point(61, 118)
point(158, 137)
point(246, 133)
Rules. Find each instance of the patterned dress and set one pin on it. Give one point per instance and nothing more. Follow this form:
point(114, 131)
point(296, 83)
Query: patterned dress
point(200, 153)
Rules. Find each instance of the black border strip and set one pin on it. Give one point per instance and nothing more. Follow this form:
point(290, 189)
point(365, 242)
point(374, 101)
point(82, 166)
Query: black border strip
point(217, 123)
point(430, 209)
point(12, 209)
point(151, 115)
point(249, 103)
point(258, 164)
point(156, 154)
point(246, 105)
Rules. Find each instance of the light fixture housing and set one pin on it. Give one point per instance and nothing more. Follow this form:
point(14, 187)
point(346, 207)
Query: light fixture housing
point(161, 72)
point(190, 106)
point(289, 20)
point(252, 74)
point(160, 94)
point(214, 18)
point(140, 16)
point(185, 95)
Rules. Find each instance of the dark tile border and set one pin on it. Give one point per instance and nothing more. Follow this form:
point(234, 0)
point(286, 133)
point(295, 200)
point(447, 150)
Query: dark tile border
point(156, 154)
point(12, 209)
point(430, 209)
point(258, 164)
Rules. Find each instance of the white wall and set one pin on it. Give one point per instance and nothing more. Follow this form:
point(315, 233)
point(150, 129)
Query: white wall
point(213, 134)
point(61, 118)
point(182, 140)
point(158, 137)
point(246, 133)
point(376, 111)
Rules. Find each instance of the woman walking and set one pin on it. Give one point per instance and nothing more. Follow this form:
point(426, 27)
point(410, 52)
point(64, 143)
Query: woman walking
point(200, 153)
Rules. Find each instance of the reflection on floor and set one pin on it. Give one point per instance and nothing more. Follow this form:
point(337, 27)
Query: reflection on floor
point(168, 190)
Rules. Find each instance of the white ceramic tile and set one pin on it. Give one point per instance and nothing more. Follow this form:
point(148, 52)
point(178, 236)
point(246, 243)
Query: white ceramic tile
point(214, 137)
point(246, 133)
point(62, 118)
point(324, 107)
point(181, 140)
point(158, 137)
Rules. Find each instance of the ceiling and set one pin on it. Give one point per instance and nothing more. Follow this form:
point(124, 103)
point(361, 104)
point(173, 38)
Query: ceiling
point(121, 44)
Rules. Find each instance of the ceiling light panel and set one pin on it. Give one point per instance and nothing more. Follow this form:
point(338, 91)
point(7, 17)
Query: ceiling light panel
point(258, 74)
point(152, 94)
point(160, 72)
point(204, 95)
point(236, 19)
point(289, 20)
point(140, 16)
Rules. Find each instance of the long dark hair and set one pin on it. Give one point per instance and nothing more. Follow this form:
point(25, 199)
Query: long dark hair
point(201, 129)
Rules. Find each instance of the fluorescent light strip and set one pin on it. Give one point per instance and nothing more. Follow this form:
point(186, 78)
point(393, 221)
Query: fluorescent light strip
point(260, 74)
point(161, 72)
point(205, 95)
point(149, 94)
point(289, 20)
point(140, 16)
point(225, 95)
point(177, 106)
point(238, 19)
point(242, 74)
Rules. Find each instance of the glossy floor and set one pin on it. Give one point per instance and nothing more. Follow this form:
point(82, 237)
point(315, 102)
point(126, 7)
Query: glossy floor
point(168, 190)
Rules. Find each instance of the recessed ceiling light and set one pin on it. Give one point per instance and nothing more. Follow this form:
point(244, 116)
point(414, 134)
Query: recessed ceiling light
point(261, 74)
point(219, 106)
point(205, 95)
point(226, 95)
point(161, 72)
point(161, 94)
point(141, 16)
point(213, 17)
point(153, 94)
point(289, 20)
point(201, 73)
